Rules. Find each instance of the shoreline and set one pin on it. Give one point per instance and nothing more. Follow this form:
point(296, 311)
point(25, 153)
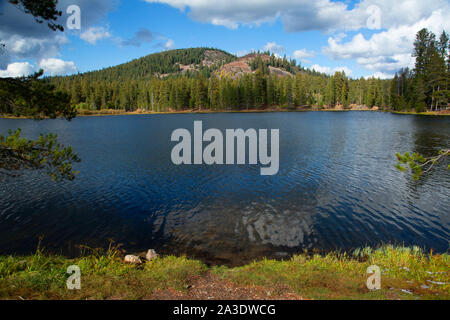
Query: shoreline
point(114, 112)
point(406, 274)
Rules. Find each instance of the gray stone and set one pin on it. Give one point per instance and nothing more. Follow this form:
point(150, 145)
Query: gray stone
point(151, 255)
point(132, 259)
point(437, 282)
point(406, 291)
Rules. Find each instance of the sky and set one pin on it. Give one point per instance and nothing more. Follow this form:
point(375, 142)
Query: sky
point(363, 38)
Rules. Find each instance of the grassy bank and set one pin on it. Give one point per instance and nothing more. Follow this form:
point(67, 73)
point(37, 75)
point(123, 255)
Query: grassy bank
point(407, 273)
point(106, 112)
point(445, 113)
point(110, 112)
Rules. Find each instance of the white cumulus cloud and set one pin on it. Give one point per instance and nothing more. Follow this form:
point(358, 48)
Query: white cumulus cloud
point(389, 50)
point(330, 71)
point(274, 47)
point(56, 67)
point(170, 44)
point(321, 69)
point(17, 69)
point(381, 75)
point(94, 34)
point(303, 55)
point(302, 15)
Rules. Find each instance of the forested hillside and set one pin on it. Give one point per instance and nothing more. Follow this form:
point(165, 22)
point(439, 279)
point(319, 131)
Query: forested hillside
point(195, 60)
point(205, 78)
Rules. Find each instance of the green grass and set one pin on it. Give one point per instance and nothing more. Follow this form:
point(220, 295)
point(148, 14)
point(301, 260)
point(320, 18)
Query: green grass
point(103, 276)
point(342, 276)
point(332, 276)
point(428, 113)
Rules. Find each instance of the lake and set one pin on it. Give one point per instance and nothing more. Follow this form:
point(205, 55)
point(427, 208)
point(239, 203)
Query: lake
point(337, 188)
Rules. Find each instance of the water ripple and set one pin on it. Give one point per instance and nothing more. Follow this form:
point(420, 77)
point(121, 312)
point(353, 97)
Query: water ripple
point(337, 188)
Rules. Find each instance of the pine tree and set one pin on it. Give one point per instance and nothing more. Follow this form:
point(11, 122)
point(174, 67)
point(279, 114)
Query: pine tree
point(420, 104)
point(422, 51)
point(438, 80)
point(289, 94)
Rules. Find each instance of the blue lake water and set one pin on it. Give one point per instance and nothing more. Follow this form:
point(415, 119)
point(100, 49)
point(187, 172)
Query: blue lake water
point(337, 188)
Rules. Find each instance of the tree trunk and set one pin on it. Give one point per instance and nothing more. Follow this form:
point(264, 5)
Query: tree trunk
point(432, 99)
point(437, 100)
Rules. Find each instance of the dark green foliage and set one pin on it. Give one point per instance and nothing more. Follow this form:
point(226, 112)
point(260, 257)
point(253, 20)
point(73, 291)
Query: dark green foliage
point(338, 89)
point(418, 164)
point(28, 96)
point(18, 153)
point(273, 61)
point(420, 97)
point(427, 86)
point(42, 10)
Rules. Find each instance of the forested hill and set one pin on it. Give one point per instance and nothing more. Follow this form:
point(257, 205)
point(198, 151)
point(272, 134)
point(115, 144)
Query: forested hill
point(192, 62)
point(206, 78)
point(186, 79)
point(203, 60)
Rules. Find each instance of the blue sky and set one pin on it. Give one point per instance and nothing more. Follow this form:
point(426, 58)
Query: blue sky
point(364, 38)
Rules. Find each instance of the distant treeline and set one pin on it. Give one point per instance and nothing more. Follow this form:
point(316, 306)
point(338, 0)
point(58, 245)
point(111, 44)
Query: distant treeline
point(249, 91)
